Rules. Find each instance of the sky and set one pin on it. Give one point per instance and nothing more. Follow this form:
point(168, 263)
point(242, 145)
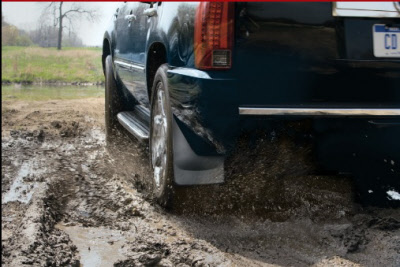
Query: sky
point(24, 15)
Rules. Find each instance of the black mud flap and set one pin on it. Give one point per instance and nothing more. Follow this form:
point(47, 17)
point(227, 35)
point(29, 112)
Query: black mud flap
point(192, 169)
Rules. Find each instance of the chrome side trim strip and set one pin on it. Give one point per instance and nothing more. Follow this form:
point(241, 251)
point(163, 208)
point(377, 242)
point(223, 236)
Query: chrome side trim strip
point(366, 9)
point(137, 67)
point(129, 66)
point(318, 111)
point(122, 64)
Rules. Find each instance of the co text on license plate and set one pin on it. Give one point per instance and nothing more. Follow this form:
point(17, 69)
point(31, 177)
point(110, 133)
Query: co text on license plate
point(386, 41)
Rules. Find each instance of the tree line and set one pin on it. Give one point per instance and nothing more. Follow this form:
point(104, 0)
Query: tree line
point(11, 35)
point(55, 27)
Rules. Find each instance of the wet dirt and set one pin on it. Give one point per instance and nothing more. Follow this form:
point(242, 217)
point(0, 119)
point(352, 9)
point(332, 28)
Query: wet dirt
point(68, 199)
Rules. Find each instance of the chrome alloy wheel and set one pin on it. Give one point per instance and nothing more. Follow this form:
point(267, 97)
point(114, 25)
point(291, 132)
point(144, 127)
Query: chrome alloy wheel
point(159, 137)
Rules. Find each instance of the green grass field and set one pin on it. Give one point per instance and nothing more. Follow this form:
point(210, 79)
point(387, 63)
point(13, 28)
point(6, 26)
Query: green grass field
point(30, 92)
point(46, 65)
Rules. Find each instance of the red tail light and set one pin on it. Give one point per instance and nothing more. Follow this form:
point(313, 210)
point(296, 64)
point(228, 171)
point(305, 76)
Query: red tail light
point(213, 35)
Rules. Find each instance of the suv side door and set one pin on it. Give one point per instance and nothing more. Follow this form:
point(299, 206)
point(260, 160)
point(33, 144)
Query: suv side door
point(132, 27)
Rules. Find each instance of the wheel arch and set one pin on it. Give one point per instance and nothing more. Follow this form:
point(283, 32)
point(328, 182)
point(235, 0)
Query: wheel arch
point(156, 56)
point(106, 52)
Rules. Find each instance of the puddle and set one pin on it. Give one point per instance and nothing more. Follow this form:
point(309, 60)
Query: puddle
point(20, 190)
point(97, 246)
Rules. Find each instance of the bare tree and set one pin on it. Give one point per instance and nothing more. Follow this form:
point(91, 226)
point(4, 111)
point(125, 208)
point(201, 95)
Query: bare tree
point(66, 16)
point(3, 23)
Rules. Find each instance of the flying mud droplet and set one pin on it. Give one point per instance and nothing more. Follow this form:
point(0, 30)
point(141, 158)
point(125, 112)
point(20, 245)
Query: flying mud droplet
point(393, 195)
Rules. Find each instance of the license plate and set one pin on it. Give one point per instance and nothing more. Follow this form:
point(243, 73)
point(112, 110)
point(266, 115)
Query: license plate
point(386, 41)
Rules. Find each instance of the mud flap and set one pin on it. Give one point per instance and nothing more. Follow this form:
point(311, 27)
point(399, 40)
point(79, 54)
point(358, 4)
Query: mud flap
point(191, 169)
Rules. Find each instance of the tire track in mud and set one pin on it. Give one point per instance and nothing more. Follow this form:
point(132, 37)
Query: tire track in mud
point(30, 209)
point(108, 209)
point(91, 206)
point(91, 194)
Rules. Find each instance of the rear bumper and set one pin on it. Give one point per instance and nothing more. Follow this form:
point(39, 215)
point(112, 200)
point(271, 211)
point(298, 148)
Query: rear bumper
point(353, 112)
point(205, 108)
point(345, 139)
point(208, 111)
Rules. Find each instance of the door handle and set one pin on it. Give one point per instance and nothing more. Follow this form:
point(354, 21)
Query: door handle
point(116, 14)
point(130, 18)
point(150, 12)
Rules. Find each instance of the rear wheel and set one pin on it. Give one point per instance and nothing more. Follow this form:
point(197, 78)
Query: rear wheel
point(113, 100)
point(161, 146)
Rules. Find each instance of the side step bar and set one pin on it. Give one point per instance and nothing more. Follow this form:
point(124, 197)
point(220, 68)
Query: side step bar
point(137, 122)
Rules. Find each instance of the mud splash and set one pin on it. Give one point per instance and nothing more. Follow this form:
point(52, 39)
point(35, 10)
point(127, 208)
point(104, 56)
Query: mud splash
point(273, 210)
point(393, 195)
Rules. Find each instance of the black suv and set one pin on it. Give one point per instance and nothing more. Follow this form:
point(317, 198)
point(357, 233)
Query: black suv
point(190, 77)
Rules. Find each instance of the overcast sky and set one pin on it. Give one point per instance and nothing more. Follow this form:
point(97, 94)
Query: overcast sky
point(24, 15)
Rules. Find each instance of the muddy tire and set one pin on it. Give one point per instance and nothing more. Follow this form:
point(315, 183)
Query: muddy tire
point(113, 100)
point(161, 146)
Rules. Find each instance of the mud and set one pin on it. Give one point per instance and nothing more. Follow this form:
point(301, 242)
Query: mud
point(68, 199)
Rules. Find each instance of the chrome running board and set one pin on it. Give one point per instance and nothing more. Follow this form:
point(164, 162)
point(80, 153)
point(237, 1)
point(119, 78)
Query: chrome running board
point(137, 122)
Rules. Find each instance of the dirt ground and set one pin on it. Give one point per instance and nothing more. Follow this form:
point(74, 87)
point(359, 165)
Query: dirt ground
point(70, 200)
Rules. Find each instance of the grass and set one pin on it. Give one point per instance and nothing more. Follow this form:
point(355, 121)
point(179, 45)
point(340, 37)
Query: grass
point(42, 93)
point(46, 65)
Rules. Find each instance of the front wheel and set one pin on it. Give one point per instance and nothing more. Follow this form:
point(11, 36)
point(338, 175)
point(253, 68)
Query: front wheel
point(113, 100)
point(161, 146)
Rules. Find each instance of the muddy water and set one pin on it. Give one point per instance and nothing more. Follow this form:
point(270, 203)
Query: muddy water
point(98, 246)
point(20, 191)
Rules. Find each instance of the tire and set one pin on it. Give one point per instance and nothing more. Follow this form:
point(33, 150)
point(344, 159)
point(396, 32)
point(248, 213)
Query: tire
point(113, 100)
point(161, 146)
